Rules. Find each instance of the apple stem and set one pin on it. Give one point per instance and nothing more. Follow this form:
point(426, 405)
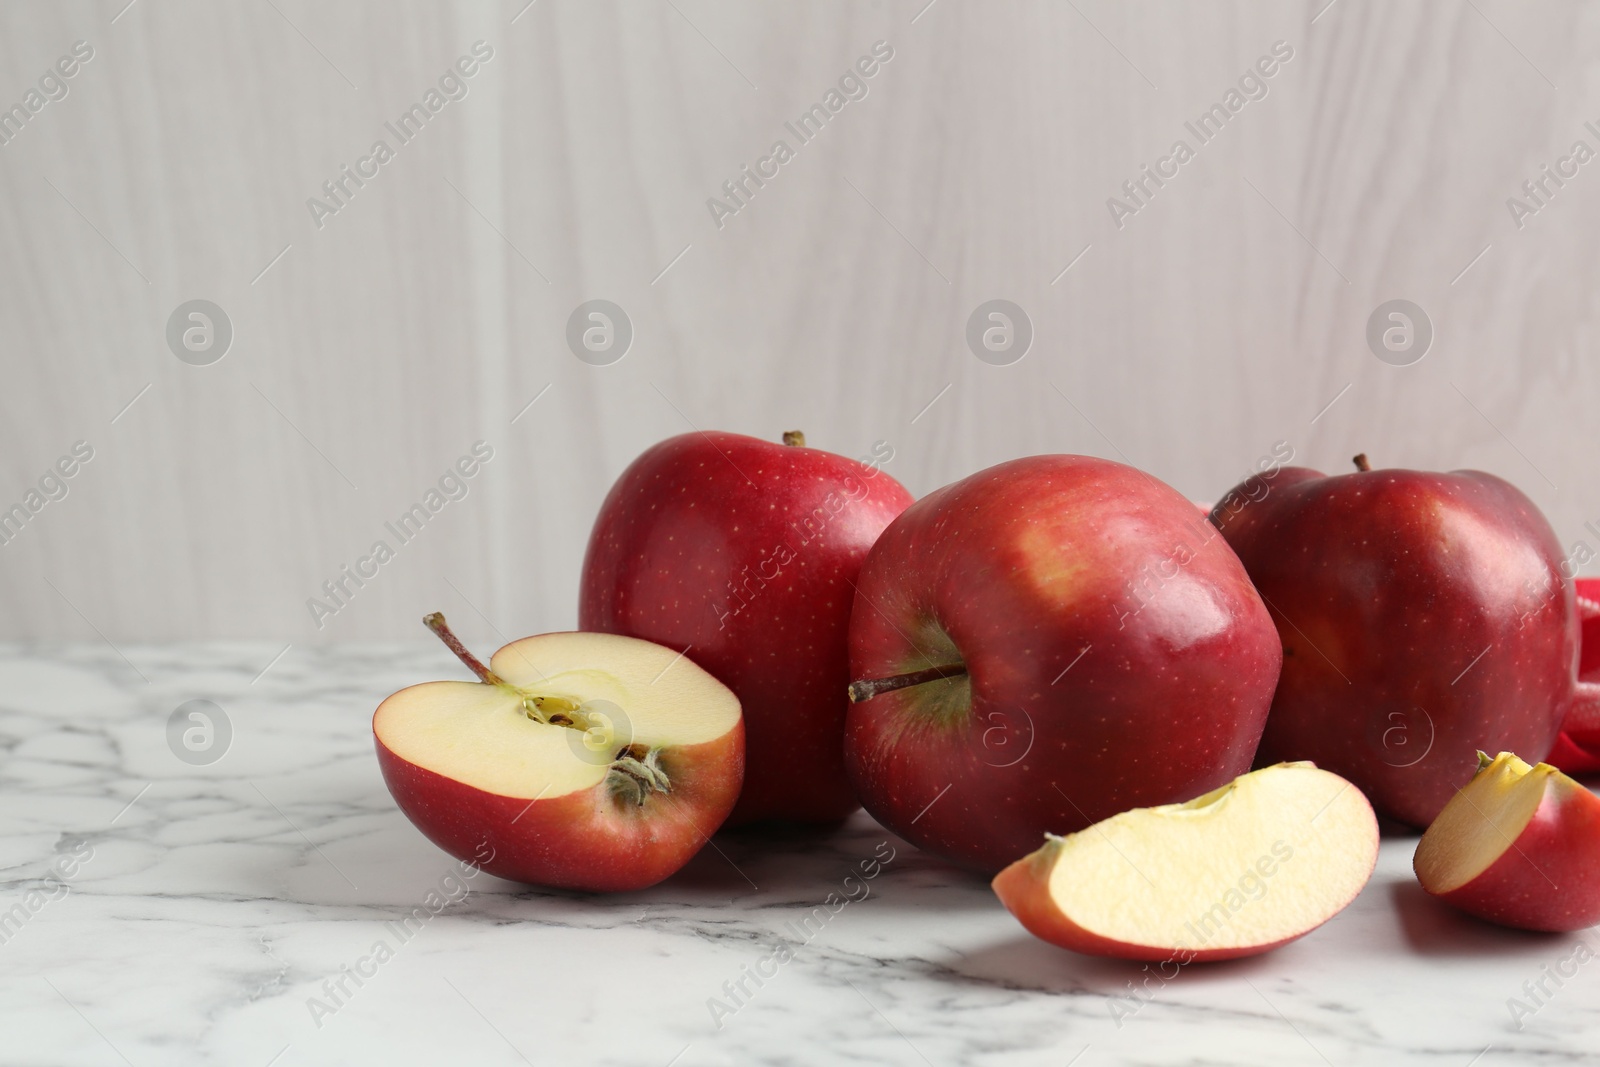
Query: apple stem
point(1361, 462)
point(868, 688)
point(794, 438)
point(435, 622)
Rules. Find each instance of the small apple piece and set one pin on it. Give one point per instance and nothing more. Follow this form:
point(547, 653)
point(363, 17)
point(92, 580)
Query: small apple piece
point(1519, 846)
point(1264, 860)
point(578, 760)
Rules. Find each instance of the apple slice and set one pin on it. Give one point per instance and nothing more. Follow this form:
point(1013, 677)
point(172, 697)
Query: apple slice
point(580, 760)
point(1519, 846)
point(1265, 859)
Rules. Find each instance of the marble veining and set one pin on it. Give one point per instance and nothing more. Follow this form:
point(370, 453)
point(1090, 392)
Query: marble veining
point(155, 911)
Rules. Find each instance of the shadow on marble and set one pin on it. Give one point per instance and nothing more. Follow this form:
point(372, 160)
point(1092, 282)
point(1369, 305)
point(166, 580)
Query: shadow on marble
point(1433, 928)
point(1025, 962)
point(1391, 830)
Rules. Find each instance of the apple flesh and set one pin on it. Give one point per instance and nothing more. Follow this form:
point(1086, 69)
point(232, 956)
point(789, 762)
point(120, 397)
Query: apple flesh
point(743, 553)
point(1042, 645)
point(1239, 871)
point(1519, 846)
point(1423, 616)
point(584, 761)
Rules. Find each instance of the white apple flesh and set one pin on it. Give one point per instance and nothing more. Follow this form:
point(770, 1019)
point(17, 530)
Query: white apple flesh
point(585, 761)
point(1265, 859)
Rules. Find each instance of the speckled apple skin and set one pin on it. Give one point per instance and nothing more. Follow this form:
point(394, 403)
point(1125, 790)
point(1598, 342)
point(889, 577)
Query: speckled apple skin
point(1385, 586)
point(583, 840)
point(1017, 570)
point(704, 544)
point(1550, 880)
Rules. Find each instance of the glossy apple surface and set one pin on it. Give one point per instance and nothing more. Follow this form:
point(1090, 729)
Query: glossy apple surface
point(590, 761)
point(1569, 755)
point(1569, 758)
point(1237, 872)
point(1424, 616)
point(1519, 846)
point(1115, 656)
point(743, 553)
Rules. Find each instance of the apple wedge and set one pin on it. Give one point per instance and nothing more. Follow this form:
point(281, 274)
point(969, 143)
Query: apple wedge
point(1519, 846)
point(1265, 859)
point(579, 760)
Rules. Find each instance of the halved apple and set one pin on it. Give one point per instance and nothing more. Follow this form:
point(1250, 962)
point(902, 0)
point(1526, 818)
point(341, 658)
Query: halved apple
point(1265, 859)
point(581, 760)
point(1519, 846)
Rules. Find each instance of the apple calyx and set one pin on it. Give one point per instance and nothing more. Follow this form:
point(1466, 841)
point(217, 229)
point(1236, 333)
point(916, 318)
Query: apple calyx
point(867, 688)
point(635, 772)
point(1361, 463)
point(794, 438)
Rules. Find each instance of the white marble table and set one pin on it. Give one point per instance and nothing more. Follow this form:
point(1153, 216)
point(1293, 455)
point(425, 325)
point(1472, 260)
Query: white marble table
point(190, 914)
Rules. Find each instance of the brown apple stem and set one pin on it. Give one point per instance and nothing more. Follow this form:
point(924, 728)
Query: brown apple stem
point(1361, 462)
point(868, 688)
point(435, 622)
point(794, 438)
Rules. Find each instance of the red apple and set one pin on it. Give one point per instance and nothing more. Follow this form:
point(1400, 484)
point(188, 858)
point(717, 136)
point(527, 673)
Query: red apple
point(1423, 616)
point(1262, 861)
point(1569, 755)
point(1569, 758)
point(587, 761)
point(742, 553)
point(1049, 642)
point(1519, 846)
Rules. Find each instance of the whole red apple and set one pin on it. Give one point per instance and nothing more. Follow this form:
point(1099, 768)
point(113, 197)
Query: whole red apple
point(742, 553)
point(1045, 644)
point(1424, 616)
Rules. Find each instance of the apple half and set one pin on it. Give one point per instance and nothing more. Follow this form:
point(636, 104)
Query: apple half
point(1519, 846)
point(578, 760)
point(1263, 860)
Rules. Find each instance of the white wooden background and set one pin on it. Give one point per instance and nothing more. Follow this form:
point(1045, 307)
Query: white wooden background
point(1219, 320)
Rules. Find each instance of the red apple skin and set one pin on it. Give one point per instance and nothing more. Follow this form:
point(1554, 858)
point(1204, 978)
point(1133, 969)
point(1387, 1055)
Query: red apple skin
point(1385, 585)
point(1550, 880)
point(700, 515)
point(581, 840)
point(1570, 758)
point(1569, 755)
point(1167, 703)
